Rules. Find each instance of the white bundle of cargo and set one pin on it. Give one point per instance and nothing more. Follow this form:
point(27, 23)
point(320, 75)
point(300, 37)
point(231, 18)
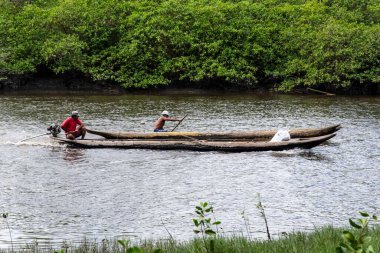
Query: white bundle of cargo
point(281, 135)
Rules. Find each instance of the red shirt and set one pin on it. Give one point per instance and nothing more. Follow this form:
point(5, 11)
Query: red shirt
point(70, 124)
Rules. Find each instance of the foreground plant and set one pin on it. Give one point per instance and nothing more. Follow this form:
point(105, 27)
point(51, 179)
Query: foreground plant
point(262, 212)
point(5, 216)
point(135, 249)
point(361, 242)
point(204, 224)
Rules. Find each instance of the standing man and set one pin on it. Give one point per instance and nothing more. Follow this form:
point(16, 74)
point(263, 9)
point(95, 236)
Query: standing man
point(73, 127)
point(159, 124)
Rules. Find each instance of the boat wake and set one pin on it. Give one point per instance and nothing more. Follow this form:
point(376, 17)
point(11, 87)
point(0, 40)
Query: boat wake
point(32, 143)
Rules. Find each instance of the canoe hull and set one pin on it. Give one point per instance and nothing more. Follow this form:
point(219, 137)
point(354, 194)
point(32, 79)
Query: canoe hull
point(226, 146)
point(260, 135)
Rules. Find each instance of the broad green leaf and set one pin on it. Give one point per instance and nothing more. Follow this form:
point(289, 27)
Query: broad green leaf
point(353, 224)
point(209, 232)
point(364, 222)
point(375, 217)
point(364, 214)
point(348, 236)
point(196, 223)
point(217, 223)
point(196, 231)
point(370, 249)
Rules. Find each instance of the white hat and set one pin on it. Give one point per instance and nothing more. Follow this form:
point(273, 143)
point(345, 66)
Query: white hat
point(75, 113)
point(165, 113)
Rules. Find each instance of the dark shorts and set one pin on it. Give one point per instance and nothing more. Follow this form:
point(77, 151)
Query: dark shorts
point(160, 130)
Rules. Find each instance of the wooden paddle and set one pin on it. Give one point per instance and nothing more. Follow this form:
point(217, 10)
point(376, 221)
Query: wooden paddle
point(179, 123)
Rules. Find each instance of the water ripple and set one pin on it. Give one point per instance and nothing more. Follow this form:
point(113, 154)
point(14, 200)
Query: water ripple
point(53, 192)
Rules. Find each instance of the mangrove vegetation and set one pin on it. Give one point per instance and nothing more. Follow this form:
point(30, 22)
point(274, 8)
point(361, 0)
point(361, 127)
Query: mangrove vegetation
point(286, 44)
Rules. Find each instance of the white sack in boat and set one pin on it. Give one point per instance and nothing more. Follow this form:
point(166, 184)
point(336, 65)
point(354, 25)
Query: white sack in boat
point(281, 135)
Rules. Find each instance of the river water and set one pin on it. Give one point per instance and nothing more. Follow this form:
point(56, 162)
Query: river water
point(55, 193)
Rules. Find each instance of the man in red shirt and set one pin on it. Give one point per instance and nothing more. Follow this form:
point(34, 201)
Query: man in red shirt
point(70, 126)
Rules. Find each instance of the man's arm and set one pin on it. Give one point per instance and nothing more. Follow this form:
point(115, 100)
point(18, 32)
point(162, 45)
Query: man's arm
point(171, 119)
point(80, 123)
point(64, 125)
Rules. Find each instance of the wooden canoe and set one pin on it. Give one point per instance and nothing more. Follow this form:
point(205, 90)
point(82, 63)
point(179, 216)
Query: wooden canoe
point(259, 135)
point(199, 145)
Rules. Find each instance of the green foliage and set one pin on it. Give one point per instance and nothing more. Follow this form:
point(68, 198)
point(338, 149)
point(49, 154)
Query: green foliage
point(153, 43)
point(204, 225)
point(359, 243)
point(63, 53)
point(134, 249)
point(321, 240)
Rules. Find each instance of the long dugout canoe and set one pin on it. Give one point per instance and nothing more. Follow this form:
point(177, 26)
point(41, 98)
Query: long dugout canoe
point(232, 135)
point(199, 145)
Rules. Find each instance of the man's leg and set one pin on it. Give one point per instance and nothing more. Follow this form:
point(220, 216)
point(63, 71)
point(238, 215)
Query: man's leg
point(83, 132)
point(70, 136)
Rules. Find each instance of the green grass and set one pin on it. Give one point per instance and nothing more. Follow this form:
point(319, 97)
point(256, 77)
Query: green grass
point(322, 240)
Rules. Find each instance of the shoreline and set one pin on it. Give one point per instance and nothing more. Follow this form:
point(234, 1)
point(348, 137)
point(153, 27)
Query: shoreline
point(74, 84)
point(321, 240)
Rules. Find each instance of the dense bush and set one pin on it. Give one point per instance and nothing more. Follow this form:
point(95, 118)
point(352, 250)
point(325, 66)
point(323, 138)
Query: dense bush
point(148, 43)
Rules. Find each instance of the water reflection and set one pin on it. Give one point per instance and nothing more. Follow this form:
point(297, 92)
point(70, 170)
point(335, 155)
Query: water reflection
point(73, 154)
point(307, 154)
point(314, 156)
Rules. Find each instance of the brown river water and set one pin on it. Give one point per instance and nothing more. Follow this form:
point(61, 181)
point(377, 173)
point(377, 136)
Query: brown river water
point(55, 193)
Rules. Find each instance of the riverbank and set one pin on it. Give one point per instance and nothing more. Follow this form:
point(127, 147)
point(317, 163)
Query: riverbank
point(323, 240)
point(74, 83)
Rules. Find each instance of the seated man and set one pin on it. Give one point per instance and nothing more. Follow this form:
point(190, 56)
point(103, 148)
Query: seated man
point(73, 127)
point(159, 124)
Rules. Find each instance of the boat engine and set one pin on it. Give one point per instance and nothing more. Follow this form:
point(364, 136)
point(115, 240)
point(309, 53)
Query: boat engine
point(54, 129)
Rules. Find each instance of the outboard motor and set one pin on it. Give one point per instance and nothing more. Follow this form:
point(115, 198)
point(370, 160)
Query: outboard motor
point(54, 129)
